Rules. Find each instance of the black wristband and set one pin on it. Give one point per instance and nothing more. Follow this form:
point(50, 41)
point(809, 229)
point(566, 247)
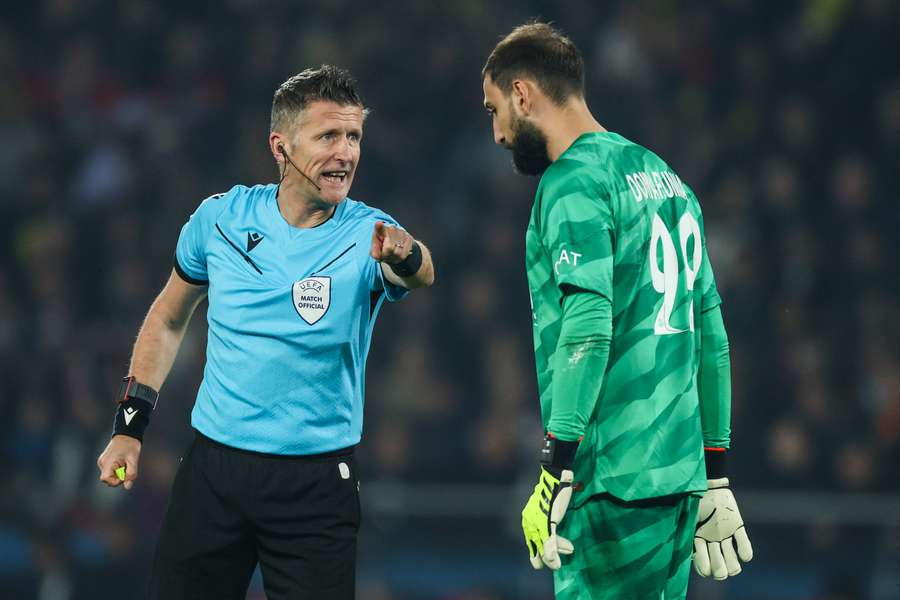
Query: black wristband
point(132, 418)
point(715, 463)
point(135, 403)
point(410, 265)
point(558, 454)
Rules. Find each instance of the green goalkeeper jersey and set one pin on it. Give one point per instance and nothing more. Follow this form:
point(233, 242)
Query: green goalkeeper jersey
point(611, 218)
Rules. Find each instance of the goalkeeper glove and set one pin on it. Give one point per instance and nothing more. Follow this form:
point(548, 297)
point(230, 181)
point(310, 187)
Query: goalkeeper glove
point(547, 505)
point(719, 528)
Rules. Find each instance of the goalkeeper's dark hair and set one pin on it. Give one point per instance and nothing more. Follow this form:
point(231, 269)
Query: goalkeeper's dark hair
point(325, 83)
point(540, 52)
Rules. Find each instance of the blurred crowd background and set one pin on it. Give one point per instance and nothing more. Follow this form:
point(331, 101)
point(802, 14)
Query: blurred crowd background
point(118, 118)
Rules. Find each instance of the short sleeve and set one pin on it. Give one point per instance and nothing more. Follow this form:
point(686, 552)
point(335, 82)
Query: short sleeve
point(190, 252)
point(372, 268)
point(578, 232)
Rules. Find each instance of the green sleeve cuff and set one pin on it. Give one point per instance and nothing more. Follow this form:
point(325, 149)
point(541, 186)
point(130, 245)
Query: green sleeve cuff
point(714, 380)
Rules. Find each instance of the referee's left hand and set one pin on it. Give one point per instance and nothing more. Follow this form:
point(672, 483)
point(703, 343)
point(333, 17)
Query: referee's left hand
point(122, 451)
point(390, 244)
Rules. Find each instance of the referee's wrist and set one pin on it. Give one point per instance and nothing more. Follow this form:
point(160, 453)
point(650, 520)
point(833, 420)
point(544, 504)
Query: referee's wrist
point(135, 402)
point(410, 265)
point(132, 418)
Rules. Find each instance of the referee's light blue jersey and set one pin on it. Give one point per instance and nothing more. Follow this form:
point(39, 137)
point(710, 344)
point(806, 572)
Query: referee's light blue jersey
point(290, 317)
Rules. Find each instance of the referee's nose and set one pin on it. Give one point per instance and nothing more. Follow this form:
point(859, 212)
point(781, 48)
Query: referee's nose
point(345, 152)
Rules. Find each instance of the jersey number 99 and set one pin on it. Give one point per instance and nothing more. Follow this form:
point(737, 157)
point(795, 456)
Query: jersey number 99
point(666, 280)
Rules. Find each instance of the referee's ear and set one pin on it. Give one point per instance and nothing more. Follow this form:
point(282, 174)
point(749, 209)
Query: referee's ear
point(277, 146)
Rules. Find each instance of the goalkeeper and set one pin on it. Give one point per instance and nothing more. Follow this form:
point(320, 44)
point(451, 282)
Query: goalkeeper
point(630, 348)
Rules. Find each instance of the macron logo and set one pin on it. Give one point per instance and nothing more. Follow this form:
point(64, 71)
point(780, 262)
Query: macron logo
point(253, 240)
point(129, 414)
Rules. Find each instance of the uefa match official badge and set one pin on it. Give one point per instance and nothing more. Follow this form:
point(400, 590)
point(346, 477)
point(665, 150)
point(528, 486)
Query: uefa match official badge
point(312, 297)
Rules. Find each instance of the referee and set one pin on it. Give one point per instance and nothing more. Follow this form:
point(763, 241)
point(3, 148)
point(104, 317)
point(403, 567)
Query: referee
point(295, 274)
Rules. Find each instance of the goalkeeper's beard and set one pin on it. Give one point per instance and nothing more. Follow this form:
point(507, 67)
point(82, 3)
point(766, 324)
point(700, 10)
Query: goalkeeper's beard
point(529, 148)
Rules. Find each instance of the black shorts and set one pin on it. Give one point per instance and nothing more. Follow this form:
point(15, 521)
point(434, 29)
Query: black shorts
point(298, 516)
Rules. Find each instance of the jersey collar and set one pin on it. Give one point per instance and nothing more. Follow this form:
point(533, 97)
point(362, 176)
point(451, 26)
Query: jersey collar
point(322, 230)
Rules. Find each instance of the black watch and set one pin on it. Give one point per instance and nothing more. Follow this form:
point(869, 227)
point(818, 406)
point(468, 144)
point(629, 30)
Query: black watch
point(558, 453)
point(132, 389)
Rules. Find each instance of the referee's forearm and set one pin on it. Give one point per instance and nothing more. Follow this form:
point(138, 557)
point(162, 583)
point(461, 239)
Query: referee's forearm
point(163, 329)
point(155, 349)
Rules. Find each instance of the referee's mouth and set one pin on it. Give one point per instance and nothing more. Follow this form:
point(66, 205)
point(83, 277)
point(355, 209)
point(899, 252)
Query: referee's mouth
point(336, 178)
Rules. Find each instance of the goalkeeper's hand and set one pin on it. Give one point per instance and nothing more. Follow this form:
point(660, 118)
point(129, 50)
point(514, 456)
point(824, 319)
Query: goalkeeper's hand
point(719, 528)
point(541, 515)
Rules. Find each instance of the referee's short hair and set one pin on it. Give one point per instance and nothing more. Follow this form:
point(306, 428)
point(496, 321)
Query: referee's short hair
point(325, 83)
point(540, 52)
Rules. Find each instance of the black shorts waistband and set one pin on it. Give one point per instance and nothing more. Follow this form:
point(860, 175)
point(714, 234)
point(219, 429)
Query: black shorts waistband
point(341, 452)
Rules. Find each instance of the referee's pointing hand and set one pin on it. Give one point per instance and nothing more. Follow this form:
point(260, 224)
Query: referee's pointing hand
point(390, 244)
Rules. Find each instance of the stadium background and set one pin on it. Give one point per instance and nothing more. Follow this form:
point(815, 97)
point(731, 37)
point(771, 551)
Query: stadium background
point(118, 118)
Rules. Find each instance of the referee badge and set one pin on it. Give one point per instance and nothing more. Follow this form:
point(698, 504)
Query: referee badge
point(312, 297)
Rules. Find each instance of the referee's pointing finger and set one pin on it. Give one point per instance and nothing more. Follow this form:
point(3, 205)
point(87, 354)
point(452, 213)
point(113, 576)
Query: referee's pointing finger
point(378, 235)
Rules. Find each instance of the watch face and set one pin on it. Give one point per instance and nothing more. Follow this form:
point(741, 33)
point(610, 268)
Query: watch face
point(132, 389)
point(124, 389)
